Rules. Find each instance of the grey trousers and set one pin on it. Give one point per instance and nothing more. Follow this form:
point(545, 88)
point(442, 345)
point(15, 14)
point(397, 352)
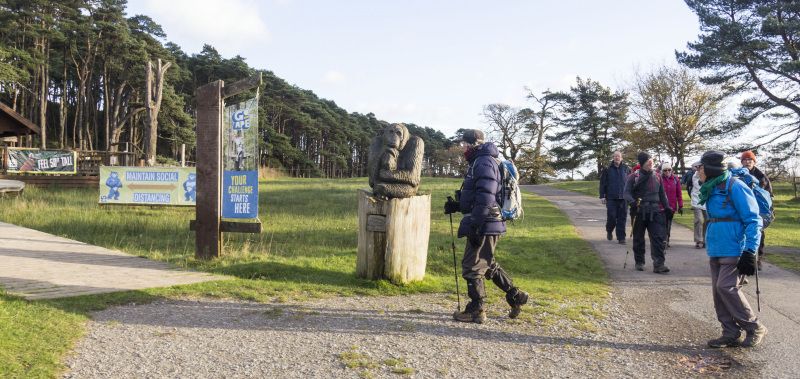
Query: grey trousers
point(733, 310)
point(478, 259)
point(700, 224)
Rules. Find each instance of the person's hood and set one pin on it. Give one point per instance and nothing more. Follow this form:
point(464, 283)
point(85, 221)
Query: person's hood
point(487, 148)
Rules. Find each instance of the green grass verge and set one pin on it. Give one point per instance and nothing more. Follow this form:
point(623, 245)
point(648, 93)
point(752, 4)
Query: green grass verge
point(307, 250)
point(783, 232)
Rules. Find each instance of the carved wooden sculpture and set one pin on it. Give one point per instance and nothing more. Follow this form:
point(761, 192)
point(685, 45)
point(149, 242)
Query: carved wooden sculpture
point(395, 163)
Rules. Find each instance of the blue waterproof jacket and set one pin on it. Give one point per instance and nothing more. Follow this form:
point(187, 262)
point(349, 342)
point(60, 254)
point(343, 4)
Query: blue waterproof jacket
point(612, 181)
point(481, 193)
point(731, 238)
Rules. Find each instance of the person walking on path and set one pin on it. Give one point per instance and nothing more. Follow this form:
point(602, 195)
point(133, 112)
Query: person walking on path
point(646, 186)
point(672, 188)
point(700, 216)
point(612, 186)
point(749, 162)
point(482, 225)
point(733, 234)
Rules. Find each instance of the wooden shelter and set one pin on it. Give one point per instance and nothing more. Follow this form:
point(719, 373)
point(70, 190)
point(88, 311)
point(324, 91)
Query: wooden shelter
point(12, 124)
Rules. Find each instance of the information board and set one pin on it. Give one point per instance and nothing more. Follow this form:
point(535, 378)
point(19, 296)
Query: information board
point(240, 167)
point(148, 185)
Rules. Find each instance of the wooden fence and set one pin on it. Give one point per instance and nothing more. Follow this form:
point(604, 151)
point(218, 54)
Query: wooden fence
point(87, 166)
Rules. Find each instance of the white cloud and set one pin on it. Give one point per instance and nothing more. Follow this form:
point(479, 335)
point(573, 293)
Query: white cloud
point(334, 77)
point(232, 26)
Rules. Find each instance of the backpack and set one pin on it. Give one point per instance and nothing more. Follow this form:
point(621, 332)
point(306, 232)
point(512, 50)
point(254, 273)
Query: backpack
point(511, 208)
point(765, 210)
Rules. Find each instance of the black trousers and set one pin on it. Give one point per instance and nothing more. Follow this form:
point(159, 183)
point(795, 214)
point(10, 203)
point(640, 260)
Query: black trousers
point(615, 217)
point(653, 223)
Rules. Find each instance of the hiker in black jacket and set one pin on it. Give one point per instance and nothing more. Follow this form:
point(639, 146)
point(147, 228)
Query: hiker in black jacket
point(646, 187)
point(612, 185)
point(749, 162)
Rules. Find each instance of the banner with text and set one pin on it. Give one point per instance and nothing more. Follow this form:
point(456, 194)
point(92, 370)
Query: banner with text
point(41, 161)
point(240, 176)
point(148, 185)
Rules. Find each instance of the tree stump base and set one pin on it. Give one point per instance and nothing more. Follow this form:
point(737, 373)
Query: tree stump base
point(393, 237)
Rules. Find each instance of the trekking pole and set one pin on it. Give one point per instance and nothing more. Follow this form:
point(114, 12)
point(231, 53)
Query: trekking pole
point(758, 293)
point(633, 225)
point(455, 270)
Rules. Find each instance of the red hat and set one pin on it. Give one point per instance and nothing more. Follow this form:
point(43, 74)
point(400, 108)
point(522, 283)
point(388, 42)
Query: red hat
point(748, 154)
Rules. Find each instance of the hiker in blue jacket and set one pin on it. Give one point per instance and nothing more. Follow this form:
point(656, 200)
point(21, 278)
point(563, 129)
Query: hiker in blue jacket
point(612, 186)
point(733, 235)
point(483, 225)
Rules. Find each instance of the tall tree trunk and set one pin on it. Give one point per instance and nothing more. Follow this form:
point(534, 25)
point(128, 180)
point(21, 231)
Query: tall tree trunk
point(43, 106)
point(153, 105)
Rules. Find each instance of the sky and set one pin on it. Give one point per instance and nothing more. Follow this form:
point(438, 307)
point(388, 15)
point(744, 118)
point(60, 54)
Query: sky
point(432, 63)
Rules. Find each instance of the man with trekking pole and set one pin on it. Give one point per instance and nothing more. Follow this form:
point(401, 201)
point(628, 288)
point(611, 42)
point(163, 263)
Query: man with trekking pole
point(644, 187)
point(482, 224)
point(734, 233)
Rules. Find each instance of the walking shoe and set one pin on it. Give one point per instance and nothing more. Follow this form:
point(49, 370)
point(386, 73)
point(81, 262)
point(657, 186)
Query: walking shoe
point(477, 317)
point(621, 242)
point(516, 299)
point(609, 236)
point(661, 269)
point(726, 342)
point(640, 267)
point(754, 336)
point(745, 281)
point(697, 245)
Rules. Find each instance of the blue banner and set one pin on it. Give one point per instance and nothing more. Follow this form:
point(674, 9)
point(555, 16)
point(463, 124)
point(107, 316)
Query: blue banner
point(240, 194)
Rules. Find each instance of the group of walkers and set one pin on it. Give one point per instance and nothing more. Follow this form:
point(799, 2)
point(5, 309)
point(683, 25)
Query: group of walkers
point(726, 223)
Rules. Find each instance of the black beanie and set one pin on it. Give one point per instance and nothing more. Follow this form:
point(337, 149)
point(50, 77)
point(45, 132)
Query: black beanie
point(714, 162)
point(643, 157)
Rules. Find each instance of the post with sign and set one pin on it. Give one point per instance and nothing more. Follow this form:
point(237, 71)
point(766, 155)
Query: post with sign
point(208, 225)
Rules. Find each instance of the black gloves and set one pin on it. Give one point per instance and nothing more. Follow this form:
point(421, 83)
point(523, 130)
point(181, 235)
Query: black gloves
point(747, 263)
point(451, 206)
point(680, 210)
point(474, 236)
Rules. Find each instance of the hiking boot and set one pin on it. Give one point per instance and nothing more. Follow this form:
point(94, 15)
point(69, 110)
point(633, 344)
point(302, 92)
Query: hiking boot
point(621, 242)
point(760, 267)
point(754, 336)
point(661, 269)
point(477, 317)
point(640, 267)
point(697, 245)
point(516, 298)
point(609, 236)
point(726, 342)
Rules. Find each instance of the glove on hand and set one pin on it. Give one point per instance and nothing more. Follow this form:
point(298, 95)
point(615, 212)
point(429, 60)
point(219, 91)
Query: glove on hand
point(747, 263)
point(680, 210)
point(451, 207)
point(669, 209)
point(474, 236)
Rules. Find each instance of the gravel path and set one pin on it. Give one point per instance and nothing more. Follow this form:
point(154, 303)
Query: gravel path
point(656, 327)
point(211, 338)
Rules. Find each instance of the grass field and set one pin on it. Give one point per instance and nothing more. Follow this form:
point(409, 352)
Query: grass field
point(783, 232)
point(307, 250)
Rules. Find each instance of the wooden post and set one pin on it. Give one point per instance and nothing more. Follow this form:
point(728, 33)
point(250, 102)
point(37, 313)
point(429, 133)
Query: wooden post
point(209, 171)
point(393, 237)
point(208, 211)
point(183, 155)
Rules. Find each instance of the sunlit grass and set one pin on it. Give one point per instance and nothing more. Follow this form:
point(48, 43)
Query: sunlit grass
point(307, 250)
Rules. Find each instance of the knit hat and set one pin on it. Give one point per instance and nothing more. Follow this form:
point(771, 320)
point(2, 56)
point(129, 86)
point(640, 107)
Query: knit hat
point(643, 157)
point(666, 166)
point(714, 162)
point(472, 136)
point(748, 154)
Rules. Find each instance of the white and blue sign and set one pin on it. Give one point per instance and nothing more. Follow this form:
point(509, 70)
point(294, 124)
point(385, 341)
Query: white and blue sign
point(240, 119)
point(240, 194)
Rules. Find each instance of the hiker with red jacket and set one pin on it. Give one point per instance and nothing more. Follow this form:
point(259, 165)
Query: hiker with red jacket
point(672, 188)
point(644, 187)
